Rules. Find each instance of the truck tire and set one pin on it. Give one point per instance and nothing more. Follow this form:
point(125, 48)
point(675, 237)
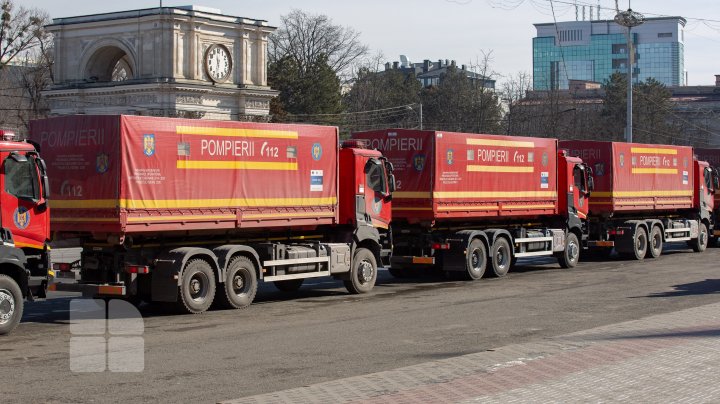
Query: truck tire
point(240, 286)
point(640, 245)
point(363, 272)
point(700, 243)
point(655, 243)
point(475, 260)
point(11, 304)
point(500, 257)
point(197, 289)
point(569, 257)
point(291, 285)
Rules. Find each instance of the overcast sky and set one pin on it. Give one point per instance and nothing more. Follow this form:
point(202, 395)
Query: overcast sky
point(459, 30)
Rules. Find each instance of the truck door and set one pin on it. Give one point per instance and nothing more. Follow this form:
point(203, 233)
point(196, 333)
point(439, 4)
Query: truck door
point(582, 184)
point(24, 210)
point(709, 176)
point(377, 192)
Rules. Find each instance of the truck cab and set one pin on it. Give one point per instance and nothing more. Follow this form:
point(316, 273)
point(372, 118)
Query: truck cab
point(24, 228)
point(706, 185)
point(366, 187)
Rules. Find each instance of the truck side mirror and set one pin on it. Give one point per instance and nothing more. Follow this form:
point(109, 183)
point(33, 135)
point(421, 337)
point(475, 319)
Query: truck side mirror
point(391, 183)
point(590, 184)
point(716, 180)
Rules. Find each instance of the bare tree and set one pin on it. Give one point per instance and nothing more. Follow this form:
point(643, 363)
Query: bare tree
point(513, 90)
point(306, 37)
point(21, 29)
point(25, 65)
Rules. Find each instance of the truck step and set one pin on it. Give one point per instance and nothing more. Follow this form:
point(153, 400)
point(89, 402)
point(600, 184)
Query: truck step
point(533, 254)
point(671, 239)
point(296, 261)
point(296, 276)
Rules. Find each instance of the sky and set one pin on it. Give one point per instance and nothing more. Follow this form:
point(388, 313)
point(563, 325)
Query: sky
point(460, 30)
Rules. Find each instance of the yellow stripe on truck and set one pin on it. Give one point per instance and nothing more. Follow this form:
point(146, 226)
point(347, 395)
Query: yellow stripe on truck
point(235, 165)
point(411, 195)
point(235, 132)
point(652, 150)
point(84, 204)
point(500, 169)
point(495, 142)
point(490, 194)
point(654, 171)
point(192, 203)
point(640, 194)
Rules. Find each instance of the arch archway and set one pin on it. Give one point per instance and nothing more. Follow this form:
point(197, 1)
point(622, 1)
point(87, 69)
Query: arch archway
point(108, 62)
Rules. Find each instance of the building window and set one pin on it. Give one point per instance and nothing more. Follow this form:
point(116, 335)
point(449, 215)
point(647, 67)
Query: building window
point(619, 49)
point(571, 35)
point(665, 35)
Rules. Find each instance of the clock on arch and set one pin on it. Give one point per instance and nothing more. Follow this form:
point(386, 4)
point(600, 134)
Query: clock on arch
point(218, 63)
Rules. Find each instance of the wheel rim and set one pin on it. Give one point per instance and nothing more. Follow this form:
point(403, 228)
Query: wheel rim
point(641, 243)
point(365, 272)
point(476, 259)
point(199, 284)
point(703, 238)
point(501, 257)
point(656, 241)
point(573, 251)
point(238, 283)
point(7, 306)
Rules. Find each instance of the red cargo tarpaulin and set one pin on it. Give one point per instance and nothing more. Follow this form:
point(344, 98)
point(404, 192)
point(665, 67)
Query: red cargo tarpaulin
point(461, 176)
point(125, 174)
point(635, 176)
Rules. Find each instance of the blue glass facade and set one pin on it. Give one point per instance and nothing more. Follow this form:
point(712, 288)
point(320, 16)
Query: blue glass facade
point(590, 56)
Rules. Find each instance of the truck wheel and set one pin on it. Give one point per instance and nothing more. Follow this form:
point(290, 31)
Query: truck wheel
point(197, 288)
point(476, 260)
point(240, 285)
point(571, 255)
point(500, 257)
point(363, 273)
point(655, 243)
point(640, 244)
point(11, 304)
point(700, 243)
point(291, 285)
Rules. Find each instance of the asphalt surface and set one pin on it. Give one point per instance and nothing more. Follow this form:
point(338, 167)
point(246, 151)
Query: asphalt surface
point(321, 333)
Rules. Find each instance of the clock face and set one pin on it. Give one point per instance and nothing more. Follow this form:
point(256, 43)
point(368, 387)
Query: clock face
point(218, 63)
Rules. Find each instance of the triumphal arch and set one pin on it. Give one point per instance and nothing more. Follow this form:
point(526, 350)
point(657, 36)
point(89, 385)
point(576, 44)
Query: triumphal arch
point(185, 61)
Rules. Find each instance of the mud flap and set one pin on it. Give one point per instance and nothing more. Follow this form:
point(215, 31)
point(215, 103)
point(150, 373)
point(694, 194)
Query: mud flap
point(625, 243)
point(164, 283)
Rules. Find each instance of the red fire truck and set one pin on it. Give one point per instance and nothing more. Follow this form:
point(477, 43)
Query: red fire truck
point(24, 229)
point(646, 195)
point(196, 212)
point(467, 202)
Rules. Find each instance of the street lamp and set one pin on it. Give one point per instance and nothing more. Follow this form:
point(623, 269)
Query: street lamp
point(629, 19)
point(420, 115)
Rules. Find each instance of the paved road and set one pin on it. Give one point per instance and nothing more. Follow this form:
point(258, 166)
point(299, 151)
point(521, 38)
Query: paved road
point(322, 334)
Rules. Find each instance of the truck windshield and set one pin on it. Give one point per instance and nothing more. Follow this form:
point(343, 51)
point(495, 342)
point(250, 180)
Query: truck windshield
point(375, 176)
point(579, 177)
point(20, 178)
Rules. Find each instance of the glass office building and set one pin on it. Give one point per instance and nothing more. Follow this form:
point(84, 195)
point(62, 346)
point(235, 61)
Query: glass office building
point(593, 50)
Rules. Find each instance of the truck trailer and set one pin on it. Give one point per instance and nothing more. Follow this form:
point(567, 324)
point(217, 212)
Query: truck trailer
point(646, 195)
point(712, 156)
point(24, 229)
point(192, 212)
point(467, 202)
